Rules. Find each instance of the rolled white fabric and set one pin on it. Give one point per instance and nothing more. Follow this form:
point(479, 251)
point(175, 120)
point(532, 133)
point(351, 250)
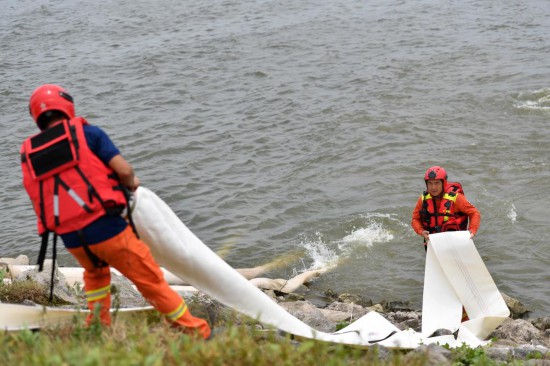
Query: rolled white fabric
point(456, 276)
point(177, 249)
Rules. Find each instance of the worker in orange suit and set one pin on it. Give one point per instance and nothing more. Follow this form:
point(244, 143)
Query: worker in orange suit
point(78, 183)
point(443, 207)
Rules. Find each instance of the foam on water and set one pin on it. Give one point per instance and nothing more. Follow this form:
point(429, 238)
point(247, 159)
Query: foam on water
point(534, 100)
point(512, 214)
point(328, 254)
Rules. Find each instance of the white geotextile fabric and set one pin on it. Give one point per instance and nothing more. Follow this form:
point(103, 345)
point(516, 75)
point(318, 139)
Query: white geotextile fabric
point(15, 317)
point(455, 277)
point(455, 274)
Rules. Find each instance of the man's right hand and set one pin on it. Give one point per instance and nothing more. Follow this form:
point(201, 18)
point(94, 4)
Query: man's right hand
point(135, 185)
point(426, 235)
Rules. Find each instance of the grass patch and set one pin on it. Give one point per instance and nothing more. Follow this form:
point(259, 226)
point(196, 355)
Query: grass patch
point(463, 356)
point(134, 340)
point(19, 291)
point(145, 338)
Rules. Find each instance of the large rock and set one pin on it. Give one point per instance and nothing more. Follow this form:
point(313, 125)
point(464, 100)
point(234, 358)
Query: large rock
point(542, 323)
point(518, 330)
point(61, 291)
point(522, 352)
point(433, 354)
point(123, 293)
point(309, 314)
point(405, 320)
point(517, 309)
point(352, 310)
point(20, 260)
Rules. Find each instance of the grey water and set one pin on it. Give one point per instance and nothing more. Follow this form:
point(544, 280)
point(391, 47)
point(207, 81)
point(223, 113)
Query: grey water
point(302, 129)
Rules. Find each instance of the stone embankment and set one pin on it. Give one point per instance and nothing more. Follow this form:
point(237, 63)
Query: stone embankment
point(518, 338)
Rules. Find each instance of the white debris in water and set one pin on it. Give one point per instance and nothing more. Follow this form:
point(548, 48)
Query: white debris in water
point(324, 257)
point(374, 233)
point(512, 215)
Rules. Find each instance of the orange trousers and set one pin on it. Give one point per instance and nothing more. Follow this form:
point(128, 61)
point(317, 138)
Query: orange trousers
point(133, 259)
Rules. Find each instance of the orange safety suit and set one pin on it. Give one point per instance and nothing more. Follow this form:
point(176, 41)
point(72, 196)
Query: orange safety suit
point(74, 190)
point(133, 259)
point(461, 205)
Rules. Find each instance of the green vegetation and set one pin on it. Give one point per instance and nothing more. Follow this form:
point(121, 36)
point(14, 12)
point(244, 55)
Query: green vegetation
point(20, 291)
point(136, 340)
point(464, 356)
point(2, 276)
point(145, 338)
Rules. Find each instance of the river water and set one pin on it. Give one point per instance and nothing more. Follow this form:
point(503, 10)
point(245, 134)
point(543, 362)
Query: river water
point(302, 129)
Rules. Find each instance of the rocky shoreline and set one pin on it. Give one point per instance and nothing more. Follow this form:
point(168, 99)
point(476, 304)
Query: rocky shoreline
point(518, 338)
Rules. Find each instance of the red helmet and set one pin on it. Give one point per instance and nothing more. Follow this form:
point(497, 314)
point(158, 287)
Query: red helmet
point(50, 97)
point(436, 172)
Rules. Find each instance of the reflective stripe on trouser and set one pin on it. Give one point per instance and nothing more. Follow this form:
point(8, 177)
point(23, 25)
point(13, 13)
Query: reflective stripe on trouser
point(133, 259)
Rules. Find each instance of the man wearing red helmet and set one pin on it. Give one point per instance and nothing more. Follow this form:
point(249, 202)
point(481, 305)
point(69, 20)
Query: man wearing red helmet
point(442, 207)
point(77, 179)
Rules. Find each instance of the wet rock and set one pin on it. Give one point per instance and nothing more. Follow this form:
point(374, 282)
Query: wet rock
point(542, 324)
point(295, 297)
point(354, 299)
point(331, 294)
point(393, 306)
point(517, 309)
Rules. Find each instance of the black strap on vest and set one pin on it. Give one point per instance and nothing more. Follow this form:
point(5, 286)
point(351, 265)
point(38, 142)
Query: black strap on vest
point(128, 197)
point(426, 216)
point(96, 261)
point(42, 253)
point(42, 258)
point(54, 257)
point(91, 190)
point(42, 209)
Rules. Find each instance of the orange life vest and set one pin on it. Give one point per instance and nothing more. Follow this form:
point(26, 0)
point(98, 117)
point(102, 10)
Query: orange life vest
point(69, 186)
point(443, 218)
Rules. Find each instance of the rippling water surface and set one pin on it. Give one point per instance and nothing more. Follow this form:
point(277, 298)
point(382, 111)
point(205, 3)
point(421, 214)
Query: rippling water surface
point(305, 127)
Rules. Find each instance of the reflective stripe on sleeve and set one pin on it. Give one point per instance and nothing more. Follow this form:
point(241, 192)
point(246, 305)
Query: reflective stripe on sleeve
point(178, 313)
point(98, 294)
